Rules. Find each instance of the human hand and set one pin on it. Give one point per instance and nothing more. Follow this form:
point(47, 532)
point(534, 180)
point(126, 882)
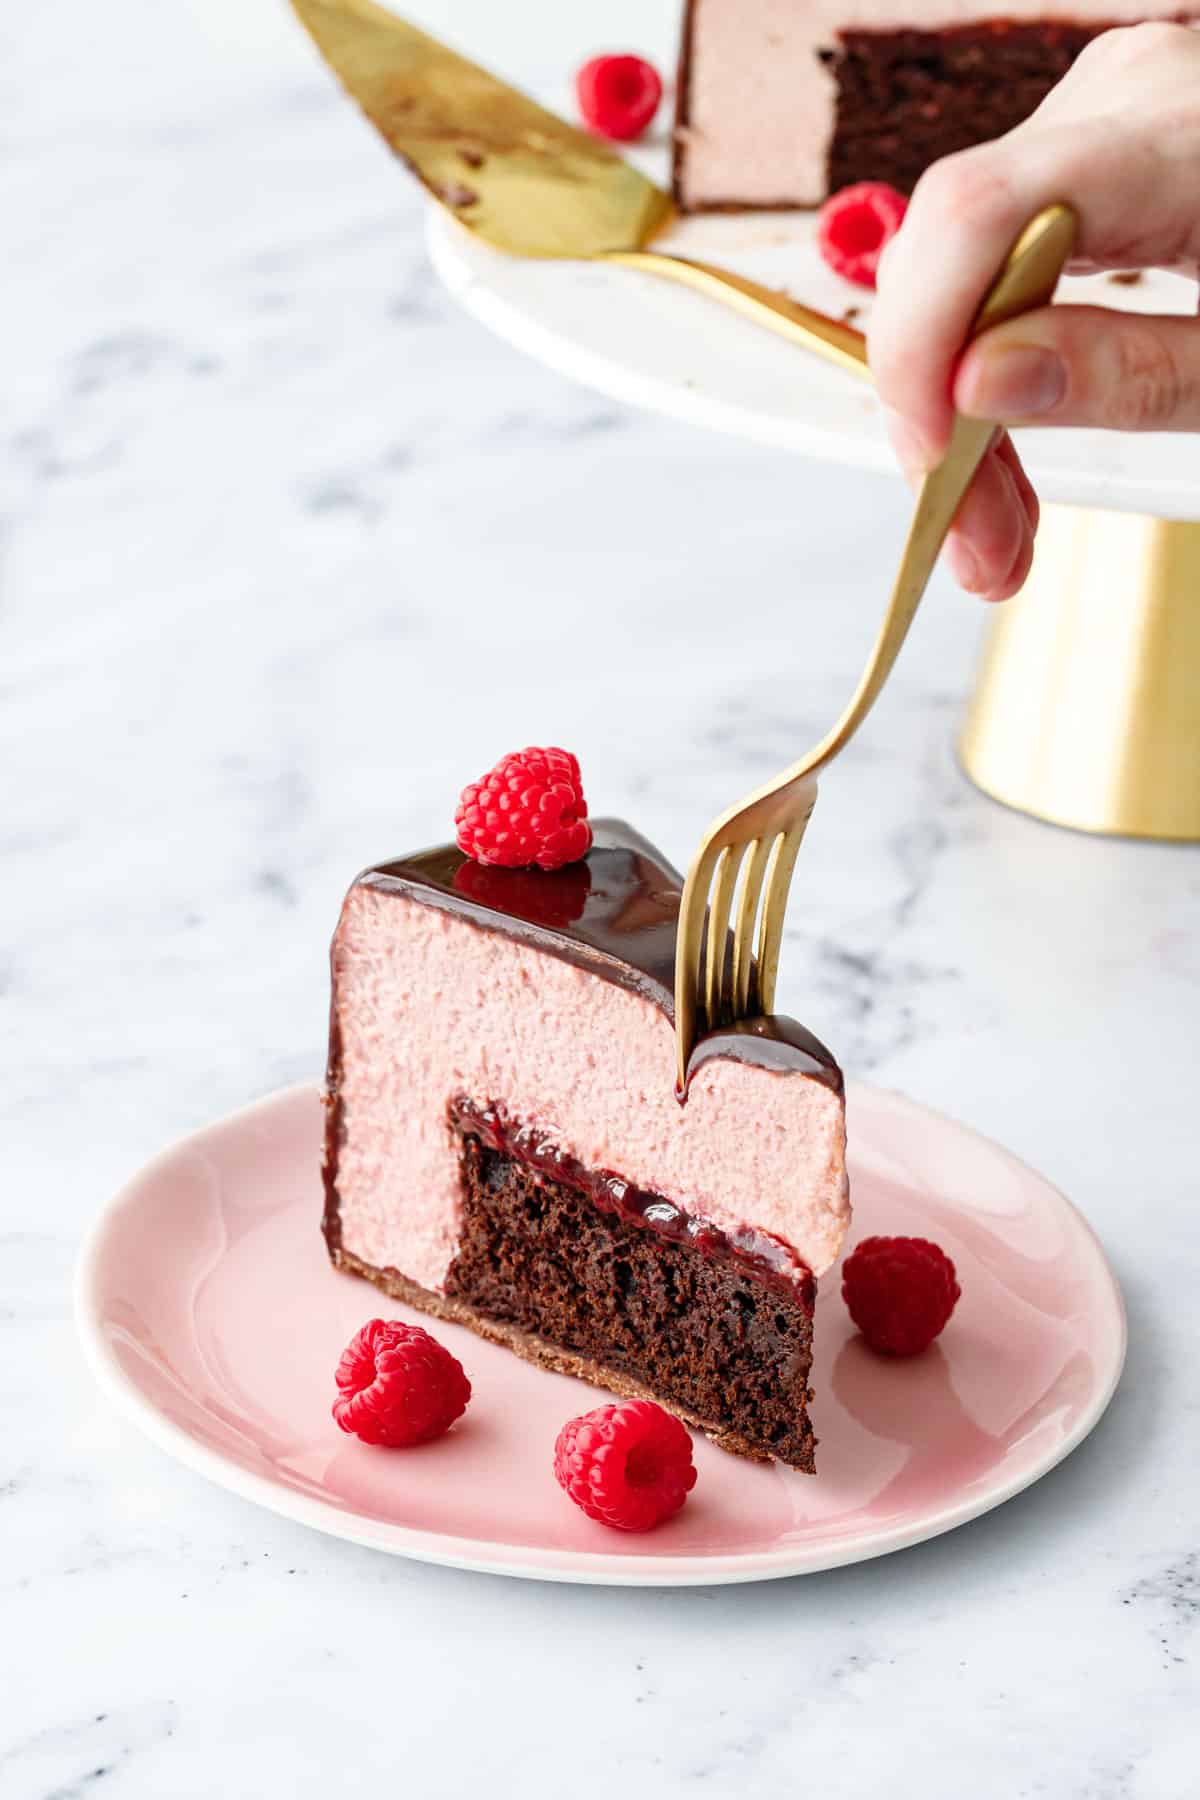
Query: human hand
point(1119, 141)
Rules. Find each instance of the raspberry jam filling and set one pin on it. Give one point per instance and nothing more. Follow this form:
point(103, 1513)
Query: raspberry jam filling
point(758, 1253)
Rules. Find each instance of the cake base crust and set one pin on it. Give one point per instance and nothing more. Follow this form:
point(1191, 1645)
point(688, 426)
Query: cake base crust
point(547, 1356)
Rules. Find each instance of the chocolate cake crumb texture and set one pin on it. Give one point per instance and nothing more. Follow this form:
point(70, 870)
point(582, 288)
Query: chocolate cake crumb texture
point(730, 1351)
point(907, 98)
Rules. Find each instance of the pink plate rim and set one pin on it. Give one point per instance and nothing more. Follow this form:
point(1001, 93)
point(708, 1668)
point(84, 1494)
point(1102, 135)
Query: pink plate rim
point(574, 1565)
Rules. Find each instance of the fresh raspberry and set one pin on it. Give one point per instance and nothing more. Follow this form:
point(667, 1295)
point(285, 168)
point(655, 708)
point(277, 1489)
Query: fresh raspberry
point(627, 1466)
point(398, 1386)
point(855, 225)
point(529, 810)
point(900, 1292)
point(618, 95)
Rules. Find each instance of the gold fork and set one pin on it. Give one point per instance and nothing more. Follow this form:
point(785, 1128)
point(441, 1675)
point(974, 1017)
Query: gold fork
point(716, 982)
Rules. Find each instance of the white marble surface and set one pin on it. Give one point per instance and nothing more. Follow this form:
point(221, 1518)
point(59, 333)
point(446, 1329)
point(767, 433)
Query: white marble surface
point(291, 549)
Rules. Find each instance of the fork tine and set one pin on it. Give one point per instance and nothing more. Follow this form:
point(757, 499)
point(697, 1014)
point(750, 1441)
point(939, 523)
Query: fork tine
point(770, 927)
point(717, 995)
point(688, 947)
point(743, 931)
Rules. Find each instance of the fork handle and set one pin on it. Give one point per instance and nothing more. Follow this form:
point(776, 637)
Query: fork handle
point(1027, 280)
point(829, 338)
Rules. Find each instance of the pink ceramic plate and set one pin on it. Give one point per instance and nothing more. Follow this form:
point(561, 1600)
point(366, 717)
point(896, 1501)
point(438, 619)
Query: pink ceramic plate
point(209, 1311)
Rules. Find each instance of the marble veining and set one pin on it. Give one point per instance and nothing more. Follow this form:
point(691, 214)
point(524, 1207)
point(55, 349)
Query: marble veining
point(290, 550)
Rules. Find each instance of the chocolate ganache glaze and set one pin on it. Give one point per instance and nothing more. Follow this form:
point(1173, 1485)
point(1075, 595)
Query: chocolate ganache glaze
point(614, 914)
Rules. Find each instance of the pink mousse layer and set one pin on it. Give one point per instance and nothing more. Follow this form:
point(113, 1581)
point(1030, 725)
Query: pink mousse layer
point(431, 1006)
point(761, 103)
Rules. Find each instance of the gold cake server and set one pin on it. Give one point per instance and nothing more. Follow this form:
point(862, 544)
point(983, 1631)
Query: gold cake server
point(718, 982)
point(522, 179)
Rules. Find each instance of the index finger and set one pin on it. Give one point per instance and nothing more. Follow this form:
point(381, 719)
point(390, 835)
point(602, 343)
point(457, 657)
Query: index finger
point(965, 216)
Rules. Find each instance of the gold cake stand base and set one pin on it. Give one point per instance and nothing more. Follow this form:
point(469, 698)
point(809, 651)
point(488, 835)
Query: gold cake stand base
point(1087, 708)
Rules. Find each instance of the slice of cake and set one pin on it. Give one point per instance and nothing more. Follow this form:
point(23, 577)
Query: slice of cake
point(505, 1146)
point(782, 102)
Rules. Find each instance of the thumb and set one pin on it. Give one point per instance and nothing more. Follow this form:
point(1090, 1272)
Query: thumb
point(1085, 365)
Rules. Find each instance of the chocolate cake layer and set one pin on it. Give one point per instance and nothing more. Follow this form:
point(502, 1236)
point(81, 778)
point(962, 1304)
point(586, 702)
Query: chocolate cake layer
point(907, 98)
point(705, 1325)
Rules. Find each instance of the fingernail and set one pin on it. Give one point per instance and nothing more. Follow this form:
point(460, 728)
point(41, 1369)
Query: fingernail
point(1013, 381)
point(909, 447)
point(965, 565)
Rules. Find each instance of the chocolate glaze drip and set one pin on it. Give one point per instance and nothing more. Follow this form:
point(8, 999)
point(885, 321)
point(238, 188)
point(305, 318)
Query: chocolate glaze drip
point(765, 1257)
point(614, 914)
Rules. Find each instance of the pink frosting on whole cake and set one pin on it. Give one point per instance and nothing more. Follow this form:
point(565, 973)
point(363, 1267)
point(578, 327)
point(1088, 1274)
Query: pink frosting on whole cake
point(431, 1006)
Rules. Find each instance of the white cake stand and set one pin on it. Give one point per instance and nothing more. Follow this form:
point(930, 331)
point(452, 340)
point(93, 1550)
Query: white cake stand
point(1087, 712)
